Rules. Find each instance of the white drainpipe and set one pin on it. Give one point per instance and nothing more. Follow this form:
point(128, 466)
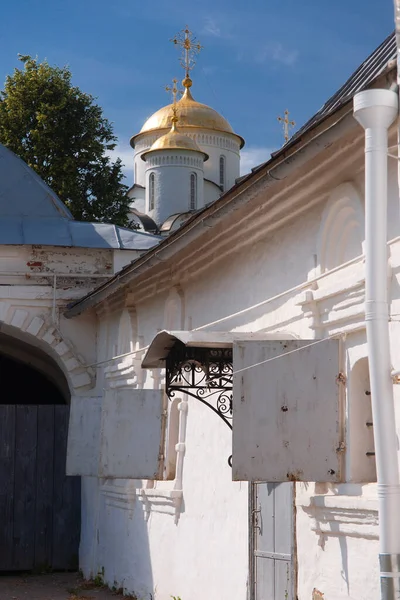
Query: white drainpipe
point(376, 110)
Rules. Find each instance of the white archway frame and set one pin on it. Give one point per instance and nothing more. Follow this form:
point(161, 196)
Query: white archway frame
point(39, 330)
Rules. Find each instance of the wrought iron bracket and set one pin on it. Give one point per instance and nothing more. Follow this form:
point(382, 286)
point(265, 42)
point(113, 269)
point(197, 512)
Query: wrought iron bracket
point(205, 374)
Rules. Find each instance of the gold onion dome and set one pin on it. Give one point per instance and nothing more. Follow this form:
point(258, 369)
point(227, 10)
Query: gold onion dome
point(174, 140)
point(192, 115)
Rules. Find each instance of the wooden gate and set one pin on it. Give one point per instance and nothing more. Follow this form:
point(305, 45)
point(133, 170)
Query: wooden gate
point(39, 505)
point(272, 541)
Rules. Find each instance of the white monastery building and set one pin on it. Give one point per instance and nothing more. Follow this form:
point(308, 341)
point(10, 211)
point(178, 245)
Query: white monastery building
point(208, 389)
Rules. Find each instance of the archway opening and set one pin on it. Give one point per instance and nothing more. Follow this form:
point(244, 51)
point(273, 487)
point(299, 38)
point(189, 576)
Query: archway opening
point(29, 363)
point(23, 384)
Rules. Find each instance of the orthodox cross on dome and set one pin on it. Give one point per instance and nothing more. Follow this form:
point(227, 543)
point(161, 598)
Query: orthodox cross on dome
point(173, 89)
point(175, 92)
point(286, 124)
point(190, 49)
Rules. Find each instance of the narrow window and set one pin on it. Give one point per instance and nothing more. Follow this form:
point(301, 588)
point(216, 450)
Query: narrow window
point(172, 440)
point(151, 190)
point(135, 173)
point(222, 172)
point(193, 191)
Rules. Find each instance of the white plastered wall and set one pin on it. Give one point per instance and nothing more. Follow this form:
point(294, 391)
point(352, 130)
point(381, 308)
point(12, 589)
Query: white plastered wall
point(139, 539)
point(172, 171)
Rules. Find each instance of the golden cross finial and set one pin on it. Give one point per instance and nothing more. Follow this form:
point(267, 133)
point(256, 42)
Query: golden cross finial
point(190, 49)
point(173, 89)
point(175, 92)
point(286, 124)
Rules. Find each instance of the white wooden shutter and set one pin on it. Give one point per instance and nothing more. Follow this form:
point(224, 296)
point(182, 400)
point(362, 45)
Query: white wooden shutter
point(132, 434)
point(287, 412)
point(84, 436)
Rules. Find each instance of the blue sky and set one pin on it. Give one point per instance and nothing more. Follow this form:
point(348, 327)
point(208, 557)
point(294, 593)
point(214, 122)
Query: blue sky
point(259, 57)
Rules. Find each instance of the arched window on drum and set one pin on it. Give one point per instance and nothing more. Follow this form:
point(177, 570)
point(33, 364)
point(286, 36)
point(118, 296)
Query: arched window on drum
point(152, 185)
point(193, 192)
point(222, 172)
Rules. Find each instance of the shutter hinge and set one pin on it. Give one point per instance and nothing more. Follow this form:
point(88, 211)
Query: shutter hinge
point(341, 378)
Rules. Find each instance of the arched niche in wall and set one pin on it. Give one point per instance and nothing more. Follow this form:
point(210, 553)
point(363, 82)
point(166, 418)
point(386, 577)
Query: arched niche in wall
point(341, 234)
point(173, 321)
point(360, 444)
point(172, 439)
point(127, 331)
point(174, 316)
point(125, 369)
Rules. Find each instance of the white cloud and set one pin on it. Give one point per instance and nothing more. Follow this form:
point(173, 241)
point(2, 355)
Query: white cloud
point(210, 69)
point(277, 52)
point(212, 28)
point(252, 157)
point(125, 153)
point(283, 55)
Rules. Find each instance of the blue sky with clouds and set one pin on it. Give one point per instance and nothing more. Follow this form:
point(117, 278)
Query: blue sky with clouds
point(259, 57)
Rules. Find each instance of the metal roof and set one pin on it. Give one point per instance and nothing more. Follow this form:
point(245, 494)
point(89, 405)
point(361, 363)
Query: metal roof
point(170, 221)
point(164, 341)
point(31, 213)
point(78, 234)
point(147, 222)
point(23, 193)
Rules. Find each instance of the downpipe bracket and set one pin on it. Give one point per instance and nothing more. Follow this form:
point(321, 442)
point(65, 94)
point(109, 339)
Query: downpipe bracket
point(390, 576)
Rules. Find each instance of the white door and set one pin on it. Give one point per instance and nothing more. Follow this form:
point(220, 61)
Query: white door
point(272, 541)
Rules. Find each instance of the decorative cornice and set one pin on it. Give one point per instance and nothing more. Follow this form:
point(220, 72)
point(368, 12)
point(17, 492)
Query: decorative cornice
point(337, 304)
point(202, 138)
point(179, 158)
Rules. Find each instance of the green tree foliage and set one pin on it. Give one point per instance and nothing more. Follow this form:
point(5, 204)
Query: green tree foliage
point(62, 134)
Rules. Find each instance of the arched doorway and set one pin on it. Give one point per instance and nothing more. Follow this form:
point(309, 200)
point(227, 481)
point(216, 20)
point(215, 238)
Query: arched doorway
point(39, 504)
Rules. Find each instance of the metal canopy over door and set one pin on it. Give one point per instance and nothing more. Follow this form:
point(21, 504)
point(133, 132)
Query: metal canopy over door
point(272, 541)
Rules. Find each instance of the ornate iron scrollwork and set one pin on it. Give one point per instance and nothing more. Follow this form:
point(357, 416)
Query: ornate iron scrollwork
point(204, 374)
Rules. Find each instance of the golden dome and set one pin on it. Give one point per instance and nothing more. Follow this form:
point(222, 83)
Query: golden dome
point(174, 140)
point(192, 114)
